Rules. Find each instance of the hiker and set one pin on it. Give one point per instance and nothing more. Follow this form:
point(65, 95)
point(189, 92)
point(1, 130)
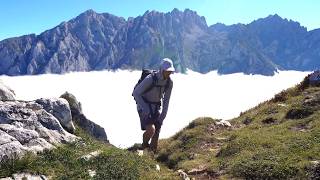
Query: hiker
point(152, 96)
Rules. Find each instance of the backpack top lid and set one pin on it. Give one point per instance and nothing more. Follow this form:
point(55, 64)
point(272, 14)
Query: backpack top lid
point(145, 73)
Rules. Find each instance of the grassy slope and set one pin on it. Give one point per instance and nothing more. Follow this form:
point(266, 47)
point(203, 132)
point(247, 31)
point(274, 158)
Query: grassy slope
point(278, 139)
point(64, 162)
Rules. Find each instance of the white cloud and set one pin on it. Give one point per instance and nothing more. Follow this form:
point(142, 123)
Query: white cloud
point(106, 97)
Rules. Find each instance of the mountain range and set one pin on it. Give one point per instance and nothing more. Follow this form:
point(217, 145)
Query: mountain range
point(99, 41)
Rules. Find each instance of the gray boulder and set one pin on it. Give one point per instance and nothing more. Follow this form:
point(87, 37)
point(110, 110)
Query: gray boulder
point(27, 127)
point(78, 117)
point(60, 109)
point(6, 94)
point(25, 176)
point(223, 124)
point(74, 104)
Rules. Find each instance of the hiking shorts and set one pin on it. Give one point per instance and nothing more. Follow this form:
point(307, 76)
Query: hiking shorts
point(150, 119)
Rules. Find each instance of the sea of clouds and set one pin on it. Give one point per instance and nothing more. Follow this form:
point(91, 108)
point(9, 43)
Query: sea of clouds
point(106, 97)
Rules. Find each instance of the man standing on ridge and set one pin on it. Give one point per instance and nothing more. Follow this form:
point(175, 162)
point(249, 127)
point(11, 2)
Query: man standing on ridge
point(152, 96)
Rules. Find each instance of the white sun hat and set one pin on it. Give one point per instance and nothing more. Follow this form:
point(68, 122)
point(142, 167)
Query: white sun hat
point(167, 65)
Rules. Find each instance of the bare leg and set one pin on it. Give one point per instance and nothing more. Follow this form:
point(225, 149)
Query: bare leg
point(154, 140)
point(148, 134)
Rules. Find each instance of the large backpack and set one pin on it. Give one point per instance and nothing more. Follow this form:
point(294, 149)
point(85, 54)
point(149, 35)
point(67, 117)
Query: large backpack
point(144, 74)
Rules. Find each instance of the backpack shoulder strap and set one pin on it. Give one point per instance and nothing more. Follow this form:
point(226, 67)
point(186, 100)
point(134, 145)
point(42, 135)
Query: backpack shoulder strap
point(154, 82)
point(167, 84)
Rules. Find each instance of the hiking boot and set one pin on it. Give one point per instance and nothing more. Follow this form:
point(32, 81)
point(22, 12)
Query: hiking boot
point(144, 146)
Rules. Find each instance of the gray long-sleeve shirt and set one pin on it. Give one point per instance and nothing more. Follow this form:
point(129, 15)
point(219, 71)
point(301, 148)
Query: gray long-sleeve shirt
point(156, 94)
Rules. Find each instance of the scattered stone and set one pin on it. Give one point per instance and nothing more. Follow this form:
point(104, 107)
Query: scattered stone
point(92, 173)
point(140, 152)
point(183, 175)
point(215, 150)
point(158, 167)
point(197, 171)
point(315, 163)
point(221, 138)
point(25, 176)
point(282, 105)
point(91, 155)
point(223, 123)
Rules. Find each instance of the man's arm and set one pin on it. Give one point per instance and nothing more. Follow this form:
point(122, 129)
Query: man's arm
point(166, 101)
point(139, 90)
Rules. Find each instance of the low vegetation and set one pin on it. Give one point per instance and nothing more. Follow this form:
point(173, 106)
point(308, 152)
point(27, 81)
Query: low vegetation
point(65, 162)
point(278, 139)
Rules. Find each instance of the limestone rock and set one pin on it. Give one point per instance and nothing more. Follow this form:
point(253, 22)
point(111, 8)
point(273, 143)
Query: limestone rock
point(60, 109)
point(223, 123)
point(78, 117)
point(183, 175)
point(91, 155)
point(27, 127)
point(73, 102)
point(25, 176)
point(6, 94)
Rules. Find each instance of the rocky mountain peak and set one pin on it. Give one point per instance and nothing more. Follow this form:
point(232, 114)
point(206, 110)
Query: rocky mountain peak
point(97, 41)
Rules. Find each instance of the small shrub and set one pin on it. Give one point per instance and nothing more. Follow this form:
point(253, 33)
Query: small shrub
point(280, 97)
point(269, 120)
point(298, 113)
point(247, 121)
point(304, 84)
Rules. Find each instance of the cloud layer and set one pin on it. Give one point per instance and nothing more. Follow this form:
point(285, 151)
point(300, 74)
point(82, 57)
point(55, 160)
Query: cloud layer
point(106, 97)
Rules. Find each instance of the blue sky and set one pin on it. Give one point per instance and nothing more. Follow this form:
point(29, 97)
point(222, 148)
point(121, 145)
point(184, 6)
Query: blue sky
point(19, 17)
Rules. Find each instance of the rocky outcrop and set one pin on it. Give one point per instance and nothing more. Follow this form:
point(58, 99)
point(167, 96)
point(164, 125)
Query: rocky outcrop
point(32, 126)
point(28, 127)
point(60, 109)
point(94, 41)
point(42, 124)
point(6, 94)
point(79, 118)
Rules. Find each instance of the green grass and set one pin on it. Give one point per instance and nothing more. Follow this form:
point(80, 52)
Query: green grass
point(64, 162)
point(277, 139)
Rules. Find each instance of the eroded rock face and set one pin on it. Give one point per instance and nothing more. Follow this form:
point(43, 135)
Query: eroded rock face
point(60, 109)
point(78, 117)
point(27, 126)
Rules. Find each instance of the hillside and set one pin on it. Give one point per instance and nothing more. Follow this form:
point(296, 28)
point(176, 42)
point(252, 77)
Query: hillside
point(98, 41)
point(278, 139)
point(85, 159)
point(53, 139)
